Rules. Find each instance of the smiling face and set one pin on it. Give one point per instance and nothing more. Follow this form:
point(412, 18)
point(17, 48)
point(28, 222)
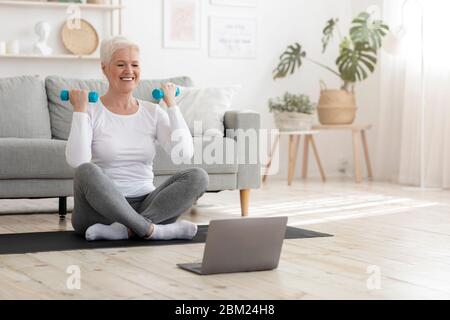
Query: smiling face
point(124, 70)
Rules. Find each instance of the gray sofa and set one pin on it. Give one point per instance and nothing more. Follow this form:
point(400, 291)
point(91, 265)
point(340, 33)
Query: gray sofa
point(35, 124)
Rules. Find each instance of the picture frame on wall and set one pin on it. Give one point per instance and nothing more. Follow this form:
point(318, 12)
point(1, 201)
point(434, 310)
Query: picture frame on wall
point(234, 38)
point(182, 24)
point(235, 3)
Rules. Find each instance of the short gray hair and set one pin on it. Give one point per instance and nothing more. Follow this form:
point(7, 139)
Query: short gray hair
point(111, 45)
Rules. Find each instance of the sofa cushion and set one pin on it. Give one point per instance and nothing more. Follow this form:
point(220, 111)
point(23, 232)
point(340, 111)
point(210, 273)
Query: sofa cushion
point(216, 155)
point(204, 108)
point(33, 159)
point(145, 88)
point(23, 108)
point(35, 188)
point(61, 112)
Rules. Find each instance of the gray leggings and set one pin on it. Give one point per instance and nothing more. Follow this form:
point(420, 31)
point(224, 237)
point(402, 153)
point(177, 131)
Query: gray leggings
point(97, 200)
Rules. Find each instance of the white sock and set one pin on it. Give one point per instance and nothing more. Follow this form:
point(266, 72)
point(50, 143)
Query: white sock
point(115, 231)
point(179, 230)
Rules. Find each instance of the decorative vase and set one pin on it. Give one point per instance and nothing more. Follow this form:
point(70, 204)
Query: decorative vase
point(293, 121)
point(336, 107)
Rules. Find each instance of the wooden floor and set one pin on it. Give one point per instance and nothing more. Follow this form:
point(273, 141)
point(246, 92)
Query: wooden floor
point(399, 233)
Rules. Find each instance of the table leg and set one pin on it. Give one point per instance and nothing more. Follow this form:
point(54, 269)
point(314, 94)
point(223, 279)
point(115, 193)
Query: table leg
point(294, 140)
point(366, 154)
point(305, 156)
point(356, 155)
point(272, 152)
point(316, 155)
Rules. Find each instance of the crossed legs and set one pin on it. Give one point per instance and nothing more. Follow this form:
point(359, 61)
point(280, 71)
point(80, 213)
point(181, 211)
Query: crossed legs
point(98, 202)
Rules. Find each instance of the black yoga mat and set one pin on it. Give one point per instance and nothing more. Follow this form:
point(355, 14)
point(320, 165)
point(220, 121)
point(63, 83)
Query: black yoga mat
point(20, 243)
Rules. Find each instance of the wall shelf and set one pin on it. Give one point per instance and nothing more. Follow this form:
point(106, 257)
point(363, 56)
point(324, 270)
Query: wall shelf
point(108, 7)
point(113, 8)
point(55, 56)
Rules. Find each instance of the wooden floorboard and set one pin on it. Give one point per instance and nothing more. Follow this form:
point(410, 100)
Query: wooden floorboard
point(405, 233)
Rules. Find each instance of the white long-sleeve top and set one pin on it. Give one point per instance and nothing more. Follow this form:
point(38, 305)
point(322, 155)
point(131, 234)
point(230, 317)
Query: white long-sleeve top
point(124, 146)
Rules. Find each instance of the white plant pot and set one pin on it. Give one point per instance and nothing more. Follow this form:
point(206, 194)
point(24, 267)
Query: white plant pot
point(293, 121)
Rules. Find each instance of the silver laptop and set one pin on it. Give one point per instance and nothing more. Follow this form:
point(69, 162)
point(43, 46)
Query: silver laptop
point(240, 245)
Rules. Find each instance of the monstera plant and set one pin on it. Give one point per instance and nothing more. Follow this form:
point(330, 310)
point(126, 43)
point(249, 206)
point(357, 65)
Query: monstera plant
point(357, 55)
point(356, 61)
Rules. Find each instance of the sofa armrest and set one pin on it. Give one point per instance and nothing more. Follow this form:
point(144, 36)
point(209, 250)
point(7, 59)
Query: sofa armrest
point(245, 119)
point(244, 127)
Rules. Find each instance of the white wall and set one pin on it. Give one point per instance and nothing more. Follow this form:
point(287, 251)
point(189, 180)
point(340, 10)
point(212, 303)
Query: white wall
point(280, 23)
point(368, 92)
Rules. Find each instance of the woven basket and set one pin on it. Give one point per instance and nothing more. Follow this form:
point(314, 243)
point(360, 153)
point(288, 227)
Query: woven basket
point(336, 107)
point(293, 121)
point(82, 41)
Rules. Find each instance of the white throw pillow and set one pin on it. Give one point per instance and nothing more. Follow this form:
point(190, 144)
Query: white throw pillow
point(206, 106)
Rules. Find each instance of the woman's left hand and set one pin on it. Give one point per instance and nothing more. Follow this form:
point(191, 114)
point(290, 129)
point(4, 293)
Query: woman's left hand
point(169, 90)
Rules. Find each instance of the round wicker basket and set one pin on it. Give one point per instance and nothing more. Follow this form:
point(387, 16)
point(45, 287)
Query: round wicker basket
point(81, 41)
point(336, 107)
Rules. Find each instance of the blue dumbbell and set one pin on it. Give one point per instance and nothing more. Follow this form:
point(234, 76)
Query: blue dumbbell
point(93, 96)
point(158, 94)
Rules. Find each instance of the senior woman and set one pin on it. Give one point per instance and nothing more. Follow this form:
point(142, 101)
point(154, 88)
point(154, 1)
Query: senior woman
point(112, 146)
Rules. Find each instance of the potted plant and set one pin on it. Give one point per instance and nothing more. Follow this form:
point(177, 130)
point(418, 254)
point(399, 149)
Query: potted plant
point(292, 112)
point(356, 61)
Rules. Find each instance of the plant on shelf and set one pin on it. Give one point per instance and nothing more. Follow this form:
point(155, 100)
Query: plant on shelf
point(357, 59)
point(292, 103)
point(292, 112)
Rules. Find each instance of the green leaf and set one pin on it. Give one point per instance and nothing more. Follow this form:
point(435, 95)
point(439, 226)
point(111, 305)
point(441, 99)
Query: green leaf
point(292, 103)
point(365, 30)
point(355, 64)
point(328, 32)
point(358, 55)
point(290, 60)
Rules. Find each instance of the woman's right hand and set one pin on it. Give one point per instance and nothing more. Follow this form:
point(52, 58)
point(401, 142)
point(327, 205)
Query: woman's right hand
point(79, 100)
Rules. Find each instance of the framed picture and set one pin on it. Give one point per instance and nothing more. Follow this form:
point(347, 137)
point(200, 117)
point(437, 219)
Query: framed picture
point(232, 37)
point(182, 19)
point(235, 3)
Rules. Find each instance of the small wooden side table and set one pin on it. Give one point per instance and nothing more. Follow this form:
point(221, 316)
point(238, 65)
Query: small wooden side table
point(294, 141)
point(358, 134)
